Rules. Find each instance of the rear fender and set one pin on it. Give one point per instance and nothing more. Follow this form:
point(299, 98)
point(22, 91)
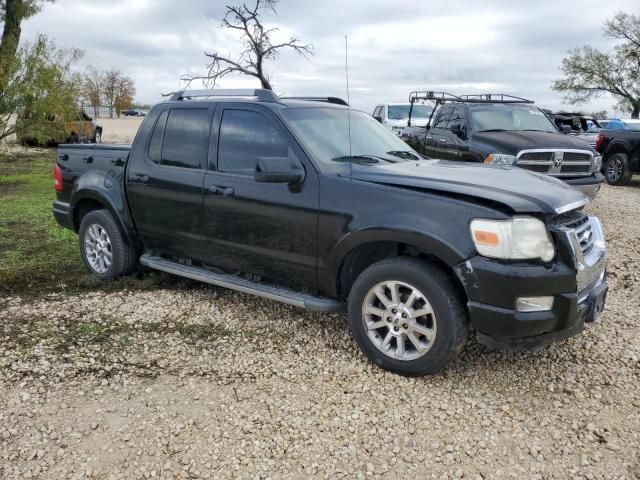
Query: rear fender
point(92, 186)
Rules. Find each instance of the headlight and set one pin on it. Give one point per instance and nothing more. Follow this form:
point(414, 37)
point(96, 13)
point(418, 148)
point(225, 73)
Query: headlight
point(500, 159)
point(597, 163)
point(518, 238)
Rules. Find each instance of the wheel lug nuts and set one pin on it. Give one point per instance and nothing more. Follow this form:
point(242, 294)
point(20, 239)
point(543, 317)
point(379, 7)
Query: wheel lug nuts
point(404, 315)
point(388, 319)
point(395, 329)
point(405, 326)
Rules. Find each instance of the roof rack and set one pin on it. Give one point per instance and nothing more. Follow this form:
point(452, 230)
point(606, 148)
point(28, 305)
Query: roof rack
point(260, 93)
point(336, 100)
point(442, 97)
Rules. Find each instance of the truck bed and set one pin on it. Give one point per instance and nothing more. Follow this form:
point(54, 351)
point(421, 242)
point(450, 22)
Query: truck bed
point(104, 160)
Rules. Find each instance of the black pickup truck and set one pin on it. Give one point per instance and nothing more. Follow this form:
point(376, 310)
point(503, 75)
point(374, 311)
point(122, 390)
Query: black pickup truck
point(507, 130)
point(620, 150)
point(314, 204)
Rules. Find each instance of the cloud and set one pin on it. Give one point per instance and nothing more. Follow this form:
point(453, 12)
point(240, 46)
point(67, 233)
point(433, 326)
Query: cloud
point(394, 47)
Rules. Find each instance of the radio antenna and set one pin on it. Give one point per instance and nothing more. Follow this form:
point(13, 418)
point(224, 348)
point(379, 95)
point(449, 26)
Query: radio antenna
point(346, 69)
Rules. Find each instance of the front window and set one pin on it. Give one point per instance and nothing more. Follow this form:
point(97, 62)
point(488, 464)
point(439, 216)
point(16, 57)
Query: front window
point(400, 112)
point(325, 135)
point(499, 119)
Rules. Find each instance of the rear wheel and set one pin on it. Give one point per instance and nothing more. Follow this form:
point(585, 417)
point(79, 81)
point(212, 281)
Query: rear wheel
point(617, 169)
point(407, 317)
point(102, 247)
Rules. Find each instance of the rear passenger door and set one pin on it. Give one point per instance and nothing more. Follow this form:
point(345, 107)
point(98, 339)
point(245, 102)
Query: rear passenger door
point(164, 182)
point(265, 229)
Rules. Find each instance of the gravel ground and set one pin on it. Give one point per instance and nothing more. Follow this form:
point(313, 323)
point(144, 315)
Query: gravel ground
point(198, 382)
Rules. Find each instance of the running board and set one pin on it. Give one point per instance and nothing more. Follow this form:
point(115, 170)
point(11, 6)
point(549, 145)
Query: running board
point(233, 282)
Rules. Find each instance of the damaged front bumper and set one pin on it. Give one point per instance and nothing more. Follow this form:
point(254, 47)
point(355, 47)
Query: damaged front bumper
point(576, 281)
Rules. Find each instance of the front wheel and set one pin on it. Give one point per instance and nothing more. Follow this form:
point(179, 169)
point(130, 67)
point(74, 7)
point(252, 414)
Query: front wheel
point(407, 317)
point(617, 169)
point(103, 248)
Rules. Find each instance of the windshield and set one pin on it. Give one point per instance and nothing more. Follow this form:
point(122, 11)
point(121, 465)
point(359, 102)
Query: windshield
point(324, 133)
point(496, 119)
point(400, 112)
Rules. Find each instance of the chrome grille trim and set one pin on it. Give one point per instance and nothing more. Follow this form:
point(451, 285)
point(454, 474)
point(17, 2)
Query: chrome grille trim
point(559, 162)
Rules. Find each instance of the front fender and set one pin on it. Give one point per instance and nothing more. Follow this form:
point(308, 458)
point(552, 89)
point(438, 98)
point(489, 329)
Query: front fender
point(426, 243)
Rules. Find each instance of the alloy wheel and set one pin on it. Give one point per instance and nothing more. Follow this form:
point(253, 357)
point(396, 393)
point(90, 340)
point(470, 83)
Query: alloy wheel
point(97, 247)
point(399, 320)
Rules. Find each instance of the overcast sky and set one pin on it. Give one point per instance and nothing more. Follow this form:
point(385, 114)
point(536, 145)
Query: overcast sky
point(394, 46)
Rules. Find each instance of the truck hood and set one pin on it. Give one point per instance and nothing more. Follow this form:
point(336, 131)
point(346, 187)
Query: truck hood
point(511, 142)
point(516, 189)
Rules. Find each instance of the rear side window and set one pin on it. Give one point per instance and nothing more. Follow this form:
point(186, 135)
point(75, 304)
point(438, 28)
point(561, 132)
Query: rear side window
point(155, 145)
point(443, 118)
point(186, 138)
point(245, 136)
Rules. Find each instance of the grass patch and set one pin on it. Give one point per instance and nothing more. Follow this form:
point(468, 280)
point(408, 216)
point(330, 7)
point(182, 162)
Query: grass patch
point(36, 254)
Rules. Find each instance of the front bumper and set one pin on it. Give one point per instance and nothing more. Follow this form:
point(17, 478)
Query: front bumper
point(577, 283)
point(590, 186)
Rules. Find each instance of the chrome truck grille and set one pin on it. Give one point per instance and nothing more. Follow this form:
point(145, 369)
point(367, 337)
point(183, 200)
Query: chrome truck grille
point(558, 163)
point(586, 238)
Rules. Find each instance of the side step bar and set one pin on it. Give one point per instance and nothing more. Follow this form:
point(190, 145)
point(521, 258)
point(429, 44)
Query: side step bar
point(233, 282)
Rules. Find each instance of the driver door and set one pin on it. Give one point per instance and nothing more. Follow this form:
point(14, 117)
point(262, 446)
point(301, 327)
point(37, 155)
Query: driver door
point(264, 229)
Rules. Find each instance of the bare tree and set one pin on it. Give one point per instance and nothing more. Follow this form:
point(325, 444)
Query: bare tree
point(125, 93)
point(110, 88)
point(590, 73)
point(92, 85)
point(257, 43)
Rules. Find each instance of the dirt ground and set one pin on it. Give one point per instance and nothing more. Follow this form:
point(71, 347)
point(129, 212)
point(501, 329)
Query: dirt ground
point(119, 130)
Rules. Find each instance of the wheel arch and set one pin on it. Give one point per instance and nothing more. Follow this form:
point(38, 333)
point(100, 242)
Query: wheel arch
point(367, 249)
point(87, 201)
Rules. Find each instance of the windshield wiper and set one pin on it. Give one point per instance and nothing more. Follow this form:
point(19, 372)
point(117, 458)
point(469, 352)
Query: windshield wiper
point(493, 130)
point(357, 158)
point(404, 154)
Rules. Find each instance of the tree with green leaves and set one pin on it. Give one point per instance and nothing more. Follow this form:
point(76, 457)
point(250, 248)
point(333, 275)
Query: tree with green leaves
point(12, 13)
point(590, 73)
point(42, 87)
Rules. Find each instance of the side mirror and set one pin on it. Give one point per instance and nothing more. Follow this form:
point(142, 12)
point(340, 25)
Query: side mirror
point(565, 129)
point(277, 170)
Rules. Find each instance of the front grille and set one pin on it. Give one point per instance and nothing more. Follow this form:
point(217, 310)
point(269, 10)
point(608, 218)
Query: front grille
point(579, 222)
point(559, 163)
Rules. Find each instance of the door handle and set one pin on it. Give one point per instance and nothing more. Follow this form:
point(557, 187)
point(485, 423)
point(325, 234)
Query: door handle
point(221, 190)
point(64, 157)
point(87, 159)
point(443, 140)
point(139, 178)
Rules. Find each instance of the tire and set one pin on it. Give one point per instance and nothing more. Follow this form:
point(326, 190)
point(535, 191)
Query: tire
point(102, 247)
point(617, 170)
point(447, 324)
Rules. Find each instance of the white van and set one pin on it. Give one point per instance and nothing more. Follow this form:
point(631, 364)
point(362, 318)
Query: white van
point(395, 116)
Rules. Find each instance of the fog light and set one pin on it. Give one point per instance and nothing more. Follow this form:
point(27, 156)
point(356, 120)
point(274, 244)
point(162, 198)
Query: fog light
point(534, 304)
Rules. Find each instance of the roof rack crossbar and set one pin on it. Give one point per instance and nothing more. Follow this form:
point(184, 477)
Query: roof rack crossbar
point(336, 100)
point(442, 97)
point(259, 93)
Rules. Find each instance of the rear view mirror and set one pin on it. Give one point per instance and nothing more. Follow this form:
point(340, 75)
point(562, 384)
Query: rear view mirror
point(277, 170)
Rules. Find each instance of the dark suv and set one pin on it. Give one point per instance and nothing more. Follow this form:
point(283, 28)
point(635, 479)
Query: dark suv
point(314, 204)
point(505, 130)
